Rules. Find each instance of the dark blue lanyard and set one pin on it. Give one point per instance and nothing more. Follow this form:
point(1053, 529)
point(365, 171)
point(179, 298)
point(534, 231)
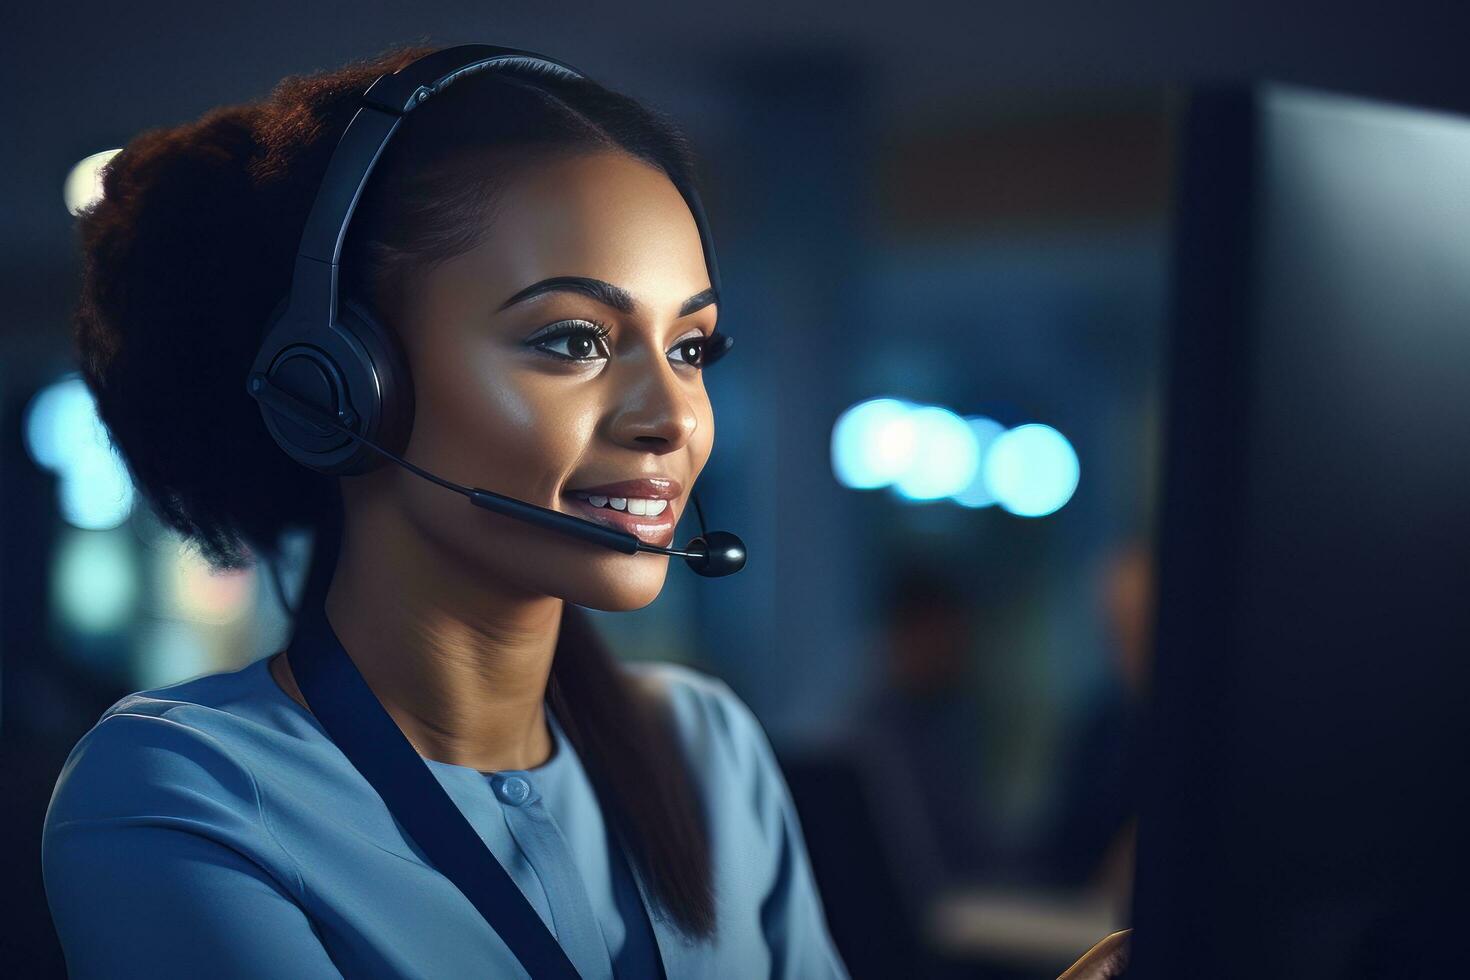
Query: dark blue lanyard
point(361, 727)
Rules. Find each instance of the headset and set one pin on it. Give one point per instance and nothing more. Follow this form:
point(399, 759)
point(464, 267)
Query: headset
point(332, 380)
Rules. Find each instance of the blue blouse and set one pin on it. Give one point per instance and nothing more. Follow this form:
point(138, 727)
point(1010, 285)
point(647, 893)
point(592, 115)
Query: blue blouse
point(211, 828)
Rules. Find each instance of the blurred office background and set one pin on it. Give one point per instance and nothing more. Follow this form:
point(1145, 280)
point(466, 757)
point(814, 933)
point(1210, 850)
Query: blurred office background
point(943, 231)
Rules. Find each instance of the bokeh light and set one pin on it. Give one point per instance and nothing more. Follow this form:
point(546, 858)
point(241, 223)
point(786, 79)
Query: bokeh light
point(83, 186)
point(1031, 470)
point(199, 593)
point(945, 455)
point(927, 452)
point(94, 581)
point(64, 434)
point(171, 651)
point(60, 417)
point(873, 443)
point(978, 494)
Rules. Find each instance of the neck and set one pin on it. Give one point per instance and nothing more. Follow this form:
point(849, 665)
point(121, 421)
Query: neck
point(461, 667)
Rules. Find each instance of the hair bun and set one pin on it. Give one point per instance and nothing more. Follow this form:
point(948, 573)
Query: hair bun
point(182, 263)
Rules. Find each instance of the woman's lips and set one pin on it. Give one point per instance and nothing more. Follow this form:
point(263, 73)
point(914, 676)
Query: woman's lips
point(651, 530)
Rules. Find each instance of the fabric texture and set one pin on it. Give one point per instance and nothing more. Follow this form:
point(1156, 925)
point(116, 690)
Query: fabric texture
point(210, 828)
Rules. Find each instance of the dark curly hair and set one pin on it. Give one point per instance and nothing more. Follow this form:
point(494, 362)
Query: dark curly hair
point(188, 252)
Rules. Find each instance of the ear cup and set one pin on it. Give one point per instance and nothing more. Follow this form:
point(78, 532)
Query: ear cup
point(387, 396)
point(357, 371)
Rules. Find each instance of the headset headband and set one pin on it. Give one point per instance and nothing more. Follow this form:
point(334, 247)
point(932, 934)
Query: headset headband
point(387, 101)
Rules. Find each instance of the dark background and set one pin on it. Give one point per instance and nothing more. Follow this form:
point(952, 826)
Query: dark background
point(964, 205)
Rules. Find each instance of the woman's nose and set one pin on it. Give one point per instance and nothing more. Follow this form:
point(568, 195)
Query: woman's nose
point(655, 409)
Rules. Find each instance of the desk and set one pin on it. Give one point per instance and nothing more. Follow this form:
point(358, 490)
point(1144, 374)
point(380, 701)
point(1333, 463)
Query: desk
point(1031, 929)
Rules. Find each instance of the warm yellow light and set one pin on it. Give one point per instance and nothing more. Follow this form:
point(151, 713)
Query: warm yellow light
point(205, 596)
point(83, 187)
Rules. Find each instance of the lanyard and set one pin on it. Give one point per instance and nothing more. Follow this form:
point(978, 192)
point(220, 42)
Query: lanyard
point(363, 730)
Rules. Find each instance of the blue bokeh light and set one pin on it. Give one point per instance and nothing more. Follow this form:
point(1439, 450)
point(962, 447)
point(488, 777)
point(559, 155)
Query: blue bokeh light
point(873, 443)
point(96, 492)
point(1031, 470)
point(95, 586)
point(171, 651)
point(63, 433)
point(945, 457)
point(978, 494)
point(59, 416)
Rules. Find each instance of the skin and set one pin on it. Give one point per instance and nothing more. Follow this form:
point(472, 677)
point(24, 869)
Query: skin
point(451, 612)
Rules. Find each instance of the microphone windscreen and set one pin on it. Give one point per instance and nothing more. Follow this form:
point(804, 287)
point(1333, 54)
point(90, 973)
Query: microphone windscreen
point(723, 554)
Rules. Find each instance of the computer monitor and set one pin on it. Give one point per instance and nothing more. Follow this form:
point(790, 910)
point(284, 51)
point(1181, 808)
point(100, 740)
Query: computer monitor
point(1303, 810)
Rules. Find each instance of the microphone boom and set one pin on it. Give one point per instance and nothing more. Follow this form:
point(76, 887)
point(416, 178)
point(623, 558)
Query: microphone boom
point(713, 554)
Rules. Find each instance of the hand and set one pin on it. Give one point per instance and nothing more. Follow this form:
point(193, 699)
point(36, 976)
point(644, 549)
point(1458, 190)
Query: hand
point(1105, 960)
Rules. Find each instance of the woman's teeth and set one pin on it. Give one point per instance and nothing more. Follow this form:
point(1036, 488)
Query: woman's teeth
point(633, 505)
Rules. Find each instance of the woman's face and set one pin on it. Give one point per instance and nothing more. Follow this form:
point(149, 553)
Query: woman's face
point(506, 404)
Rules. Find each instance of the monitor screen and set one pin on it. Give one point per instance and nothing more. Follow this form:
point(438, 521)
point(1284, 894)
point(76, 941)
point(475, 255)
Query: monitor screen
point(1302, 812)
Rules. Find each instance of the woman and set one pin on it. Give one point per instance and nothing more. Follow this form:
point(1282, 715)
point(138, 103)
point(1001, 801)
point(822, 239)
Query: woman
point(213, 827)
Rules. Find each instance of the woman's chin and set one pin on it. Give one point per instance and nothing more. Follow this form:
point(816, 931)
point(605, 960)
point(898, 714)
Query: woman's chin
point(618, 591)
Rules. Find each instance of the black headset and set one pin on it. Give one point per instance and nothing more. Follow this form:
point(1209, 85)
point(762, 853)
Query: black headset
point(333, 381)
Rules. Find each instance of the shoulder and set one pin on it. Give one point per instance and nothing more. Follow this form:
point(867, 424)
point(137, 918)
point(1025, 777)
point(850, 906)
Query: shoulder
point(752, 813)
point(722, 735)
point(699, 700)
point(168, 752)
point(155, 836)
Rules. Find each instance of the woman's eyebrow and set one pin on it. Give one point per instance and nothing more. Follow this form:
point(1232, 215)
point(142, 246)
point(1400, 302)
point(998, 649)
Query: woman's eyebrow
point(604, 292)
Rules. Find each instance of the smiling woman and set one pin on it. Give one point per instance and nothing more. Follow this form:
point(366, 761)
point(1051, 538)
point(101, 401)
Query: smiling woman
point(563, 412)
point(523, 241)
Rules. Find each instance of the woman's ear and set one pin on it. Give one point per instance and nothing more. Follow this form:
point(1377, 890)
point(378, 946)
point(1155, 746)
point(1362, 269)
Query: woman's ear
point(1105, 960)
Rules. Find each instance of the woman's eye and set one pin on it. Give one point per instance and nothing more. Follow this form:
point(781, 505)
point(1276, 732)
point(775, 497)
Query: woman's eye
point(691, 349)
point(580, 340)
